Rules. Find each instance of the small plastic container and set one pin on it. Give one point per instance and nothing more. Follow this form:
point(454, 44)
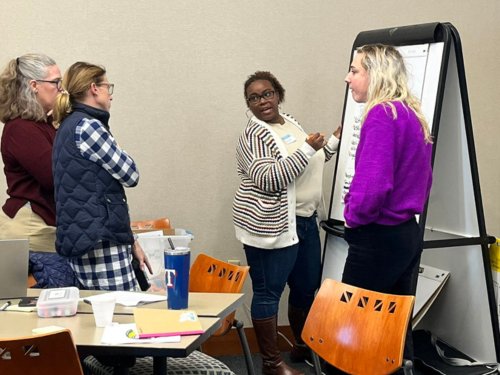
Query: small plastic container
point(58, 302)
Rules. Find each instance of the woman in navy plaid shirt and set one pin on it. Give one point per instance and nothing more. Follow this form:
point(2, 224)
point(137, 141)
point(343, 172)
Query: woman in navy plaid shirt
point(90, 173)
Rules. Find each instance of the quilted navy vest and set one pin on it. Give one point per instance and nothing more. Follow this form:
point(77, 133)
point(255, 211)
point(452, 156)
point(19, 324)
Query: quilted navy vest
point(90, 204)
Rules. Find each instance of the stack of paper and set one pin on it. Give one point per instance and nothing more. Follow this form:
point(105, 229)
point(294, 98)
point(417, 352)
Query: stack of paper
point(131, 298)
point(115, 333)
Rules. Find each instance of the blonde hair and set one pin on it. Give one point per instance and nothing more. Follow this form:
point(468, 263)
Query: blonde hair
point(76, 82)
point(17, 99)
point(388, 82)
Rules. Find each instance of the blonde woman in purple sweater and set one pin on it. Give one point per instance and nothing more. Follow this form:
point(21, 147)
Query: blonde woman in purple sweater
point(392, 179)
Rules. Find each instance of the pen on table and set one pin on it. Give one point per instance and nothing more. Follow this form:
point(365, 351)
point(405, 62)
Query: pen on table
point(171, 243)
point(5, 305)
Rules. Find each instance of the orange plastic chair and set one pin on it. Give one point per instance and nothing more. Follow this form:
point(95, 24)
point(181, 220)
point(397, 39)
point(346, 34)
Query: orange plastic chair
point(211, 275)
point(51, 353)
point(163, 223)
point(357, 330)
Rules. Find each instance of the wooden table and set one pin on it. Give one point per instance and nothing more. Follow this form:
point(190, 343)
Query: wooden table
point(87, 336)
point(205, 304)
point(210, 307)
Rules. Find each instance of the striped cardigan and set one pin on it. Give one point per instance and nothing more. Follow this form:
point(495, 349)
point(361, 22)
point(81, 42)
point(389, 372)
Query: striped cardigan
point(264, 204)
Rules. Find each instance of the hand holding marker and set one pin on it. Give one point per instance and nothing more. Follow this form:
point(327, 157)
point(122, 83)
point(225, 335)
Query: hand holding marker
point(310, 136)
point(316, 141)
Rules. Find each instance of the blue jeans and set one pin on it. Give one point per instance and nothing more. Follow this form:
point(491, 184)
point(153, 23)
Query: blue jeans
point(298, 265)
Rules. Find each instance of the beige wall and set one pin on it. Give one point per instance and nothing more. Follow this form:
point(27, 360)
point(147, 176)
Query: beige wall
point(179, 67)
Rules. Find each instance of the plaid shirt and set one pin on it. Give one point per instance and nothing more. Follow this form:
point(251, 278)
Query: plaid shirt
point(106, 267)
point(98, 145)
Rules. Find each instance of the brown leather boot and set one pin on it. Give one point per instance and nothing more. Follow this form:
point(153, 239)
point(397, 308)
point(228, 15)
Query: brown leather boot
point(266, 331)
point(297, 318)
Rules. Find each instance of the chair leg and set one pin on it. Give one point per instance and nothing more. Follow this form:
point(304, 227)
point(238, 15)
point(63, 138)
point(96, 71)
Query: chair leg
point(316, 363)
point(244, 344)
point(407, 367)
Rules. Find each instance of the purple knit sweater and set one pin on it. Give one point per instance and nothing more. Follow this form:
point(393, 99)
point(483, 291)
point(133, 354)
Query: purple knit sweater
point(393, 174)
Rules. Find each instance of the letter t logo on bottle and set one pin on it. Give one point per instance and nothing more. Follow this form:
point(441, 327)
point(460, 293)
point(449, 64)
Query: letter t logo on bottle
point(169, 275)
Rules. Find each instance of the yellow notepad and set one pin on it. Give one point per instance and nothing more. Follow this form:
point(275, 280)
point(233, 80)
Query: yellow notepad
point(47, 329)
point(23, 309)
point(158, 323)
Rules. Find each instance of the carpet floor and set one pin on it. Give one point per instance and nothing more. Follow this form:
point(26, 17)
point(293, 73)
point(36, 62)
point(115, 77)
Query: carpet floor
point(237, 364)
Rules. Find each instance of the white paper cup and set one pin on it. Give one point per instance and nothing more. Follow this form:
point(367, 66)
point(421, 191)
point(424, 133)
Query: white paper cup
point(103, 307)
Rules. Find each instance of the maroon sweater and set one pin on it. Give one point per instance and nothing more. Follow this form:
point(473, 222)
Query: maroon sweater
point(27, 155)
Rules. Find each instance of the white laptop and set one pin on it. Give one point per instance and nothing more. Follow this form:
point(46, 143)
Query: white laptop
point(14, 260)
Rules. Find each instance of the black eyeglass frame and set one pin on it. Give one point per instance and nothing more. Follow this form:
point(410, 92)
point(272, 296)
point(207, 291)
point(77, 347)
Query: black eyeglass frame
point(58, 83)
point(254, 98)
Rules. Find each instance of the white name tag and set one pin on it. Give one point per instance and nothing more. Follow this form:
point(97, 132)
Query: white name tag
point(289, 139)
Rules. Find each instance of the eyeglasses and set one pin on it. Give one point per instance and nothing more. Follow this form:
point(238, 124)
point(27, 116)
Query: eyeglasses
point(254, 99)
point(58, 83)
point(111, 87)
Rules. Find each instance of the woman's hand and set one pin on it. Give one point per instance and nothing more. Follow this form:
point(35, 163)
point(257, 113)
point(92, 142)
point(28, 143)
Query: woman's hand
point(316, 141)
point(139, 254)
point(337, 132)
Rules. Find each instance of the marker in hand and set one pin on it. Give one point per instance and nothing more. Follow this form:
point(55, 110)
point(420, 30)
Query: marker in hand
point(310, 137)
point(316, 141)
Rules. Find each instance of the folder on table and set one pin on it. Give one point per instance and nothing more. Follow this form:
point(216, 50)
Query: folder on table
point(161, 323)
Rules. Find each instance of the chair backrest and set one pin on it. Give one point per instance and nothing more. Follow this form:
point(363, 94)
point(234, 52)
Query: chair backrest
point(163, 223)
point(208, 274)
point(357, 330)
point(51, 353)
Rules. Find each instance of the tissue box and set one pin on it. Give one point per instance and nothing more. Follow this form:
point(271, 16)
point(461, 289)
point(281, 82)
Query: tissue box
point(58, 302)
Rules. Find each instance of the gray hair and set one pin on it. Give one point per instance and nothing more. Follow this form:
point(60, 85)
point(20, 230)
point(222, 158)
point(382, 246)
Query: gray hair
point(16, 97)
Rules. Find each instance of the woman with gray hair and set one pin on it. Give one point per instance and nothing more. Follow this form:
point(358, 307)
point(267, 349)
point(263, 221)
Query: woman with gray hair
point(29, 86)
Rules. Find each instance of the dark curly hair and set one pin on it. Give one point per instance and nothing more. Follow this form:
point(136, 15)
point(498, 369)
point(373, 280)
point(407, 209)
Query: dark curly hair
point(265, 76)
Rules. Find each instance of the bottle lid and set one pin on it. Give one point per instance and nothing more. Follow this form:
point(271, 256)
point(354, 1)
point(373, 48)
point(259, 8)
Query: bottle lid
point(178, 251)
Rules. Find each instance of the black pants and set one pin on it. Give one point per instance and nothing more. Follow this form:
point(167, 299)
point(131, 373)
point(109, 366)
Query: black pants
point(384, 259)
